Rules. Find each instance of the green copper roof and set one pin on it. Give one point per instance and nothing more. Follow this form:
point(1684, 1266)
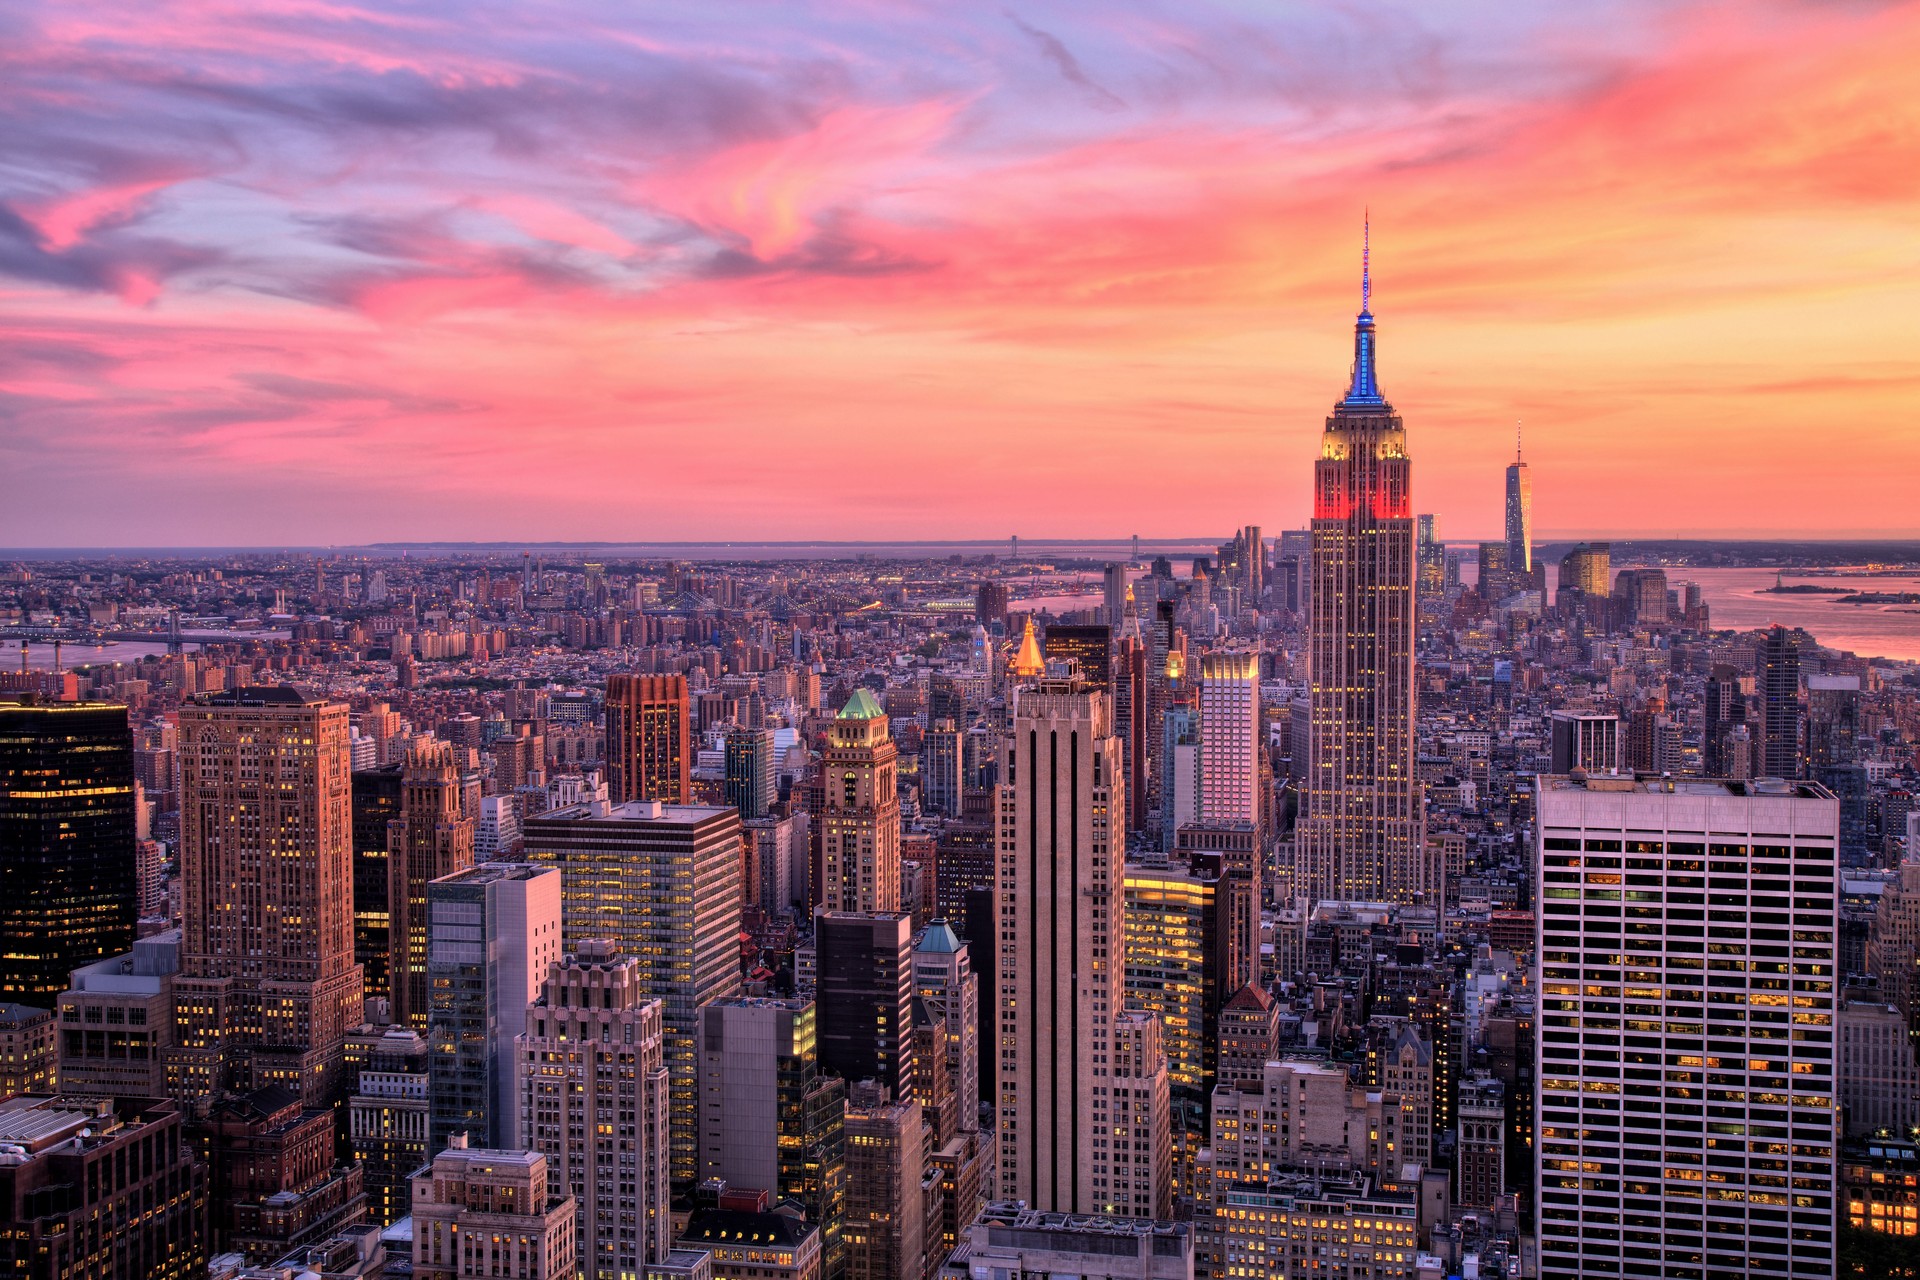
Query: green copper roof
point(939, 939)
point(860, 706)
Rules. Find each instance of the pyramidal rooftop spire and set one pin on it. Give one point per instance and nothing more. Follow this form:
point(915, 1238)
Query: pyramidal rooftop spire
point(1363, 392)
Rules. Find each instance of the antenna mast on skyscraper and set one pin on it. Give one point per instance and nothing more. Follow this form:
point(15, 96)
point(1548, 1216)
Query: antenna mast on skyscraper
point(1517, 454)
point(1366, 256)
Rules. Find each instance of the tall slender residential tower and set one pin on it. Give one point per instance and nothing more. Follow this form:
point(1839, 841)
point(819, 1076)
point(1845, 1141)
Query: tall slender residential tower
point(431, 838)
point(268, 987)
point(1360, 837)
point(860, 839)
point(1519, 514)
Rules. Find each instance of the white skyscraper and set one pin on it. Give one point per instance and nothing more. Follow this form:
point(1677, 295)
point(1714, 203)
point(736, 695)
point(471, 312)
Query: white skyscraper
point(1230, 738)
point(1686, 1113)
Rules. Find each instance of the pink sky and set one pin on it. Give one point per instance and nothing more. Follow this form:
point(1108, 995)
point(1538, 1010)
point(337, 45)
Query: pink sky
point(296, 272)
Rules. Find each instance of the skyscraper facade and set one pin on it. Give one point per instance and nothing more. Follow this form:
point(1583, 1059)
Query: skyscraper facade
point(1519, 523)
point(1360, 833)
point(648, 751)
point(865, 997)
point(1061, 982)
point(66, 844)
point(430, 839)
point(590, 1081)
point(492, 932)
point(268, 987)
point(663, 884)
point(750, 772)
point(1777, 680)
point(1687, 942)
point(860, 837)
point(1230, 739)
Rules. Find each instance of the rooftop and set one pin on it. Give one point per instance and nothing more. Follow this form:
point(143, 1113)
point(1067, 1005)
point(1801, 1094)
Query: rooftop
point(1664, 784)
point(680, 815)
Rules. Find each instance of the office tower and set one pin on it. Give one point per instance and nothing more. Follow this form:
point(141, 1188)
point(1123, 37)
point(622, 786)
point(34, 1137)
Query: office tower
point(1089, 648)
point(1481, 1151)
point(860, 835)
point(377, 797)
point(268, 987)
point(750, 772)
point(66, 844)
point(990, 602)
point(1585, 740)
point(1161, 643)
point(1833, 723)
point(1495, 583)
point(1137, 1160)
point(431, 839)
point(104, 1188)
point(1360, 832)
point(272, 1183)
point(1013, 1240)
point(1179, 772)
point(29, 1054)
point(662, 883)
point(1253, 568)
point(648, 756)
point(488, 1213)
point(885, 1224)
point(1777, 679)
point(1062, 841)
point(1407, 1070)
point(940, 769)
point(492, 930)
point(1588, 568)
point(1175, 966)
point(1640, 596)
point(865, 997)
point(590, 1079)
point(773, 855)
point(1231, 743)
point(1519, 526)
point(768, 1119)
point(496, 836)
point(387, 1121)
point(1725, 709)
point(944, 981)
point(1687, 949)
point(1249, 1032)
point(1113, 582)
point(1430, 560)
point(1879, 1084)
point(117, 1022)
point(1893, 940)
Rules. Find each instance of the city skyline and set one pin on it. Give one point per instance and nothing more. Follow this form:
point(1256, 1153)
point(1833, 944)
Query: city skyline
point(297, 273)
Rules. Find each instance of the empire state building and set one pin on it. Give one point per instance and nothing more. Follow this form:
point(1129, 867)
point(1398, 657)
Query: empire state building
point(1361, 835)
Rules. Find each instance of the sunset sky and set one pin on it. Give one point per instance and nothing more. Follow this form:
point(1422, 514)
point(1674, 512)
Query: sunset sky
point(296, 272)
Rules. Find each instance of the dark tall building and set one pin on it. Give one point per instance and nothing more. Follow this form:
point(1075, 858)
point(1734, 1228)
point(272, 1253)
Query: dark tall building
point(1360, 830)
point(864, 997)
point(431, 838)
point(1777, 679)
point(1726, 706)
point(750, 771)
point(100, 1187)
point(990, 602)
point(648, 751)
point(376, 802)
point(1089, 647)
point(66, 844)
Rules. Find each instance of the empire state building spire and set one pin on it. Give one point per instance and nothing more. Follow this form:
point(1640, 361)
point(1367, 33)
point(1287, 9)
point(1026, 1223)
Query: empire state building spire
point(1360, 834)
point(1363, 391)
